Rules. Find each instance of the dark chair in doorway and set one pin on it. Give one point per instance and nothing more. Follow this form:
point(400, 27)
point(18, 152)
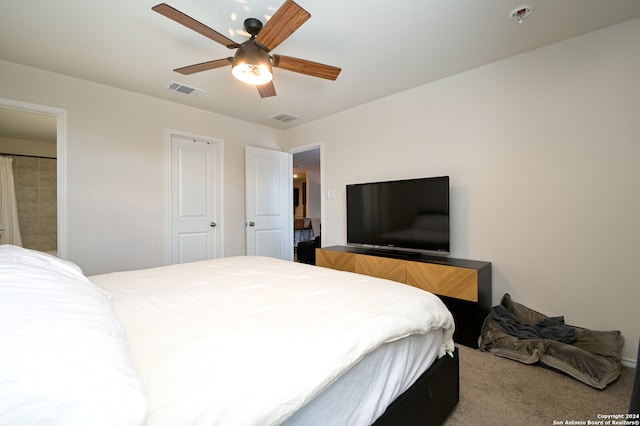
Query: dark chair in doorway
point(307, 251)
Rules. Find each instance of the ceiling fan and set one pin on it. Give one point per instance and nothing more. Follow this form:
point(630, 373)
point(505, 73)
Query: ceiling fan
point(252, 62)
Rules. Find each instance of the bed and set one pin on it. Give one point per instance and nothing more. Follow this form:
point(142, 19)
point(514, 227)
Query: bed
point(233, 341)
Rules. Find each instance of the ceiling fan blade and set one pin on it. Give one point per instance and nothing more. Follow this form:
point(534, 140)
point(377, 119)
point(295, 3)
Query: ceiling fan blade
point(204, 66)
point(303, 66)
point(282, 24)
point(266, 90)
point(197, 26)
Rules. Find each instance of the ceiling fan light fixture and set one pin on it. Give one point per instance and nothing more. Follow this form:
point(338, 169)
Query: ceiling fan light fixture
point(252, 74)
point(252, 65)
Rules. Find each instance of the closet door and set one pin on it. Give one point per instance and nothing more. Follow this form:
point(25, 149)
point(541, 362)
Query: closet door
point(195, 199)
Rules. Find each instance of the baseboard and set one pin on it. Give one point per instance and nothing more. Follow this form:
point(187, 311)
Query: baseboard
point(631, 363)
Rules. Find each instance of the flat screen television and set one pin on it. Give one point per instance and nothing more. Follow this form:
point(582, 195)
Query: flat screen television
point(403, 216)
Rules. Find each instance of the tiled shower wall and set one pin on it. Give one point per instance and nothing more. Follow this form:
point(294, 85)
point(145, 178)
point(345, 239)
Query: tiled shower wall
point(36, 194)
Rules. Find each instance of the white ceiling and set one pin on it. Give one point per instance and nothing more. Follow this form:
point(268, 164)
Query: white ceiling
point(383, 47)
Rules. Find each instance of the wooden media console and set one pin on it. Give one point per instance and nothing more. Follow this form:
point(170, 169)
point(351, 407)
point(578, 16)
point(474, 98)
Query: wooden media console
point(463, 285)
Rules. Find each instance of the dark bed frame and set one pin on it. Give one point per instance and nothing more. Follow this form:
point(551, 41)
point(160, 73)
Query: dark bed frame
point(430, 399)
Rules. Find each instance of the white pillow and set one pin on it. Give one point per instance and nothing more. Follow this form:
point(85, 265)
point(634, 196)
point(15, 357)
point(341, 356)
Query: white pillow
point(63, 355)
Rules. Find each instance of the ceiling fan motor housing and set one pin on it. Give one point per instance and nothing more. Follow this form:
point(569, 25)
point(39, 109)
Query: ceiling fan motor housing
point(253, 26)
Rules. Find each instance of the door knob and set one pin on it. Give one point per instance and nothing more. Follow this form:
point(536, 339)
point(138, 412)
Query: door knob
point(213, 224)
point(252, 224)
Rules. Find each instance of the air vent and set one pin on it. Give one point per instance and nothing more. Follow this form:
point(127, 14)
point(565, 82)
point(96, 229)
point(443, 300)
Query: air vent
point(285, 117)
point(184, 89)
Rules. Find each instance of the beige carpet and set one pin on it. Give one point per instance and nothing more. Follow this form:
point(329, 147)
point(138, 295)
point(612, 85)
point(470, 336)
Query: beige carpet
point(495, 391)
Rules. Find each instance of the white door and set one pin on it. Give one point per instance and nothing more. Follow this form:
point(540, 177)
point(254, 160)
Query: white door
point(269, 203)
point(196, 182)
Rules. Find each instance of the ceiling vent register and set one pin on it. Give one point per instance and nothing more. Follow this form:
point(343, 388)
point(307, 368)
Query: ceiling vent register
point(285, 117)
point(184, 89)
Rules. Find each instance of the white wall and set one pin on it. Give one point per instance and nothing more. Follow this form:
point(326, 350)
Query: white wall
point(117, 166)
point(543, 152)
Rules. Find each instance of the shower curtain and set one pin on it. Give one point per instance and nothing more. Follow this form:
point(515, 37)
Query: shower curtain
point(8, 207)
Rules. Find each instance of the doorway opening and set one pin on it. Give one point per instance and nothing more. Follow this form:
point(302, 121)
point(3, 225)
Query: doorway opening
point(35, 137)
point(307, 202)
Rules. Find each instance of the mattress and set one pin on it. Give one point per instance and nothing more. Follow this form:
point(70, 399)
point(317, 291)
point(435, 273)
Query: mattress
point(365, 391)
point(253, 340)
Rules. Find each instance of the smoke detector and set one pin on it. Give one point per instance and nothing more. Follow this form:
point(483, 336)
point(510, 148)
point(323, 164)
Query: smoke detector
point(521, 13)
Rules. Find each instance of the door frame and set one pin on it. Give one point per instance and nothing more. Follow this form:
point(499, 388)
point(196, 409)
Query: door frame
point(61, 163)
point(168, 133)
point(309, 147)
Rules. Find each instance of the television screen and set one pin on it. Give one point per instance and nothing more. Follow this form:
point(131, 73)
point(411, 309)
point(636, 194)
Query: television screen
point(408, 214)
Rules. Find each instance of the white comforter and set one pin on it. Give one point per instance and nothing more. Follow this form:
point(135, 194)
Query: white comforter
point(250, 340)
